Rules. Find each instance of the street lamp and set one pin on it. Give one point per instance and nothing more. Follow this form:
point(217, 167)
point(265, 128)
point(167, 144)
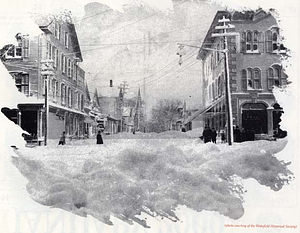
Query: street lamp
point(47, 70)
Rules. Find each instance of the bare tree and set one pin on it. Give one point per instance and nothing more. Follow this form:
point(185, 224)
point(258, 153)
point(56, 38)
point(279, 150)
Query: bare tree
point(164, 115)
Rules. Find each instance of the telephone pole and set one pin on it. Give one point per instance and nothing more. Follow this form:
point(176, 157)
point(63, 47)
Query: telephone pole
point(123, 87)
point(225, 35)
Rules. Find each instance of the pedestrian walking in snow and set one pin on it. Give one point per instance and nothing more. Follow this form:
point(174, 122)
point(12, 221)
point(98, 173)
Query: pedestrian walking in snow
point(99, 138)
point(62, 139)
point(237, 134)
point(213, 135)
point(207, 133)
point(223, 137)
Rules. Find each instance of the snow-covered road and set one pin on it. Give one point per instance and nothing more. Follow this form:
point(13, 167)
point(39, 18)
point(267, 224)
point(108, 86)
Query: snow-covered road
point(126, 177)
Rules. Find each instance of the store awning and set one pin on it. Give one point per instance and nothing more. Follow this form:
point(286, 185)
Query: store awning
point(203, 110)
point(88, 120)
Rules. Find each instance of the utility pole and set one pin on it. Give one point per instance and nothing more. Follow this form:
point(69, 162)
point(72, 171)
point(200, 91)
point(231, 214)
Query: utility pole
point(123, 87)
point(47, 70)
point(225, 35)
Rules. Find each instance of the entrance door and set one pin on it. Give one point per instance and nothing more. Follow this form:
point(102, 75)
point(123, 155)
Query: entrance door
point(29, 122)
point(254, 117)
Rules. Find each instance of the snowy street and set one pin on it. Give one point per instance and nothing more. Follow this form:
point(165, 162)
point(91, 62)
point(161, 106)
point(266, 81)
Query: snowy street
point(125, 177)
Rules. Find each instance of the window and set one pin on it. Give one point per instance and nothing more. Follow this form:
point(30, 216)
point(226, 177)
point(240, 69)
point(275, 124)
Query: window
point(66, 40)
point(56, 90)
point(220, 85)
point(22, 82)
point(252, 42)
point(276, 76)
point(65, 94)
point(62, 94)
point(249, 41)
point(69, 67)
point(69, 97)
point(57, 30)
point(14, 52)
point(62, 63)
point(255, 41)
point(273, 41)
point(25, 47)
point(54, 56)
point(218, 53)
point(251, 79)
point(82, 101)
point(257, 79)
point(56, 62)
point(65, 64)
point(72, 70)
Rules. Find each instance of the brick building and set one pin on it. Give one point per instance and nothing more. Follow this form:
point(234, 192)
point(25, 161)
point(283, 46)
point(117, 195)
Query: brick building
point(66, 91)
point(254, 69)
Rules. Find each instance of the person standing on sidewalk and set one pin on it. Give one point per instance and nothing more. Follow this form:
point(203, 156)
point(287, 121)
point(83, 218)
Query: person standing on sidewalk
point(213, 135)
point(62, 139)
point(99, 138)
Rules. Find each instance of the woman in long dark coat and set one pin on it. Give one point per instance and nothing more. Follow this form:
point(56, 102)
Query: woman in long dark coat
point(99, 138)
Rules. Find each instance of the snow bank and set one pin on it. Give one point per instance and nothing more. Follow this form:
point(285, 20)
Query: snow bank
point(153, 176)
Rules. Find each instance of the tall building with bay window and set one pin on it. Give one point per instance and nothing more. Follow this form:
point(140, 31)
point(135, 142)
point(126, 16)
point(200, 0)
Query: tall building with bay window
point(255, 68)
point(57, 42)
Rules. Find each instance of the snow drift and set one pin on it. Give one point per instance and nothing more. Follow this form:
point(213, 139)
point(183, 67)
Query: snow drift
point(152, 176)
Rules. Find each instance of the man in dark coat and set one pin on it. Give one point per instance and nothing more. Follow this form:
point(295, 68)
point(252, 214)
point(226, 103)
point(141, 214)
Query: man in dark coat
point(207, 133)
point(99, 138)
point(237, 134)
point(213, 135)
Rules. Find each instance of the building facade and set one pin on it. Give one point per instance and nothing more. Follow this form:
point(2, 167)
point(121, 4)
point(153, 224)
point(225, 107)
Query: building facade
point(59, 44)
point(254, 60)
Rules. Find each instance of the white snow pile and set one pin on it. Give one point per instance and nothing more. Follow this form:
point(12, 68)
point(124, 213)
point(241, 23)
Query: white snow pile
point(127, 178)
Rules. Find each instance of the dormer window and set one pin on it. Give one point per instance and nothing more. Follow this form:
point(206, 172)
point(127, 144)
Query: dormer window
point(57, 30)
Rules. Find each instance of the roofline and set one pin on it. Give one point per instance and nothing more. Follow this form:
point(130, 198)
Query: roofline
point(201, 54)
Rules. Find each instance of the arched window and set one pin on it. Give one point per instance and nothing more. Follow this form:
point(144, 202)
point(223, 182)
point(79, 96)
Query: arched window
point(257, 79)
point(276, 77)
point(255, 40)
point(273, 41)
point(244, 79)
point(249, 41)
point(250, 78)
